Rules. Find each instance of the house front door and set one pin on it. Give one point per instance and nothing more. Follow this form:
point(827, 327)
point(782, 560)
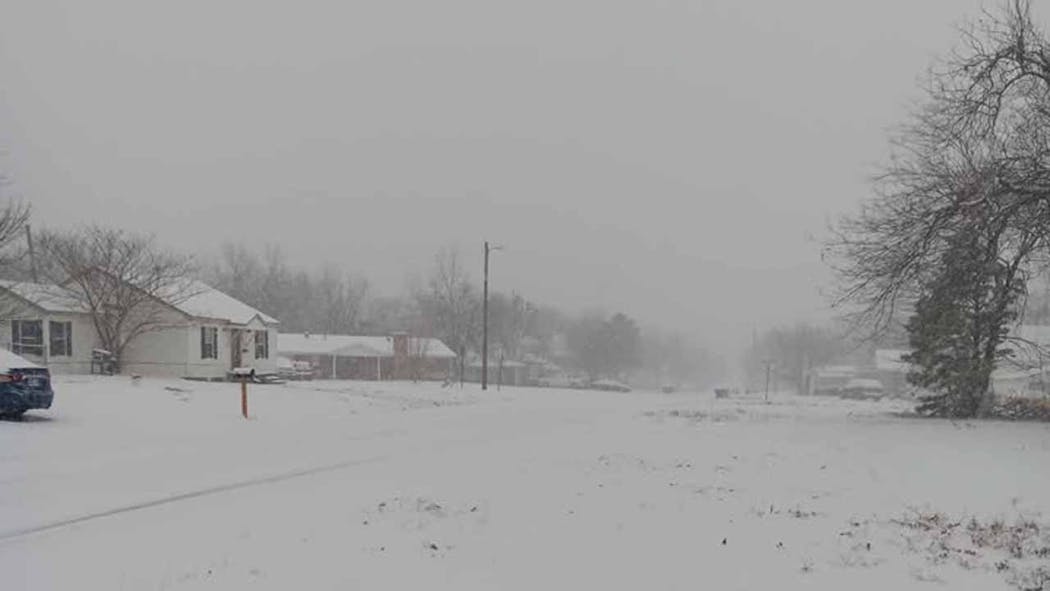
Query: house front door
point(235, 349)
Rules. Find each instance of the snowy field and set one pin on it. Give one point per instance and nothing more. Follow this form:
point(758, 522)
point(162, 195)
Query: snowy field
point(350, 485)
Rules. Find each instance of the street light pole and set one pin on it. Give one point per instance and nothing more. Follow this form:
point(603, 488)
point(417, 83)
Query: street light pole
point(485, 320)
point(485, 324)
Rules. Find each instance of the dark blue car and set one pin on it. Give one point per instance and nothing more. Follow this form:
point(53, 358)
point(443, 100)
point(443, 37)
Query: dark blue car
point(24, 386)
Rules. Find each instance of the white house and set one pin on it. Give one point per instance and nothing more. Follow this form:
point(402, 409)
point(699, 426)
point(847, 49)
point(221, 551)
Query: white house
point(202, 336)
point(46, 326)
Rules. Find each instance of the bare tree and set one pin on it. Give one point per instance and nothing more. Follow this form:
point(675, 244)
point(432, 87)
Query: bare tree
point(125, 281)
point(451, 301)
point(793, 351)
point(340, 301)
point(976, 153)
point(237, 272)
point(418, 351)
point(509, 322)
point(974, 160)
point(14, 219)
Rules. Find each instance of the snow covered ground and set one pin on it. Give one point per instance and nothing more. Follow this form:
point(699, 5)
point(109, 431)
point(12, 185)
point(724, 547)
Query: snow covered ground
point(350, 485)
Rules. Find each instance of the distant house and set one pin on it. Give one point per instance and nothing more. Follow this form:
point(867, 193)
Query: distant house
point(353, 357)
point(892, 370)
point(1025, 372)
point(45, 325)
point(202, 336)
point(830, 380)
point(506, 372)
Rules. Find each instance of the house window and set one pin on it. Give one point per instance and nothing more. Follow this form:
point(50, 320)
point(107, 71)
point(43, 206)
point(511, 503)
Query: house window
point(61, 338)
point(262, 344)
point(209, 342)
point(27, 337)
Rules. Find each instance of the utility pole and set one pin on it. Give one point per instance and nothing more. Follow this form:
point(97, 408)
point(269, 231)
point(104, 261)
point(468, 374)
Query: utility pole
point(32, 254)
point(769, 366)
point(485, 324)
point(485, 320)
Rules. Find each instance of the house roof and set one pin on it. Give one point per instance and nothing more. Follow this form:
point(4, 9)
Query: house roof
point(1034, 334)
point(495, 363)
point(194, 299)
point(49, 298)
point(891, 360)
point(1030, 345)
point(829, 371)
point(357, 346)
point(198, 299)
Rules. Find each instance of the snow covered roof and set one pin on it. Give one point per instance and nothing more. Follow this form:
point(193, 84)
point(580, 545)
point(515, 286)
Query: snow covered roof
point(9, 361)
point(50, 298)
point(864, 383)
point(836, 370)
point(1035, 333)
point(193, 298)
point(891, 360)
point(358, 346)
point(495, 363)
point(198, 299)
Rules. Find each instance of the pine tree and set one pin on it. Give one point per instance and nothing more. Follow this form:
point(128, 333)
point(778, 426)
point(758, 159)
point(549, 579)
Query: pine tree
point(960, 323)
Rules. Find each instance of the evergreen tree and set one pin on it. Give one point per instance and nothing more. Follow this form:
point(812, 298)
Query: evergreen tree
point(960, 323)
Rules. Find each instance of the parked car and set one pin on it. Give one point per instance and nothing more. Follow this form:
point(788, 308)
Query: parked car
point(863, 389)
point(294, 370)
point(24, 386)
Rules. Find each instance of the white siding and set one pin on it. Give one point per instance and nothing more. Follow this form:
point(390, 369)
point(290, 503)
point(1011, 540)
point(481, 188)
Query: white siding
point(84, 341)
point(172, 349)
point(268, 365)
point(160, 352)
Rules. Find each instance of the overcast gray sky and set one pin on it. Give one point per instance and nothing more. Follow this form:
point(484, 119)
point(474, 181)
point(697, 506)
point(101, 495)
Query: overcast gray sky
point(677, 160)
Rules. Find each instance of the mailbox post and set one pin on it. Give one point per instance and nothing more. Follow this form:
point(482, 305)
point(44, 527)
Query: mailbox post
point(243, 375)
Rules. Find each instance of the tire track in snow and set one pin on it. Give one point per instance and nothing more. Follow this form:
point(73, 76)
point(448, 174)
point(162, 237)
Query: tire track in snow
point(498, 433)
point(18, 534)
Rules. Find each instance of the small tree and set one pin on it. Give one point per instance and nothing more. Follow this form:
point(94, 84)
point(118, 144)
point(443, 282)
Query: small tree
point(960, 324)
point(793, 351)
point(119, 278)
point(586, 341)
point(417, 360)
point(340, 302)
point(606, 347)
point(509, 322)
point(14, 219)
point(451, 303)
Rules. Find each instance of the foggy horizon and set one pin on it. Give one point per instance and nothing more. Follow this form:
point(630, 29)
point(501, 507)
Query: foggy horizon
point(641, 159)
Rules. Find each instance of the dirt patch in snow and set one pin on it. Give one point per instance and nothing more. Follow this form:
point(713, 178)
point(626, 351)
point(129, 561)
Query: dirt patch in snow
point(699, 416)
point(427, 524)
point(1019, 550)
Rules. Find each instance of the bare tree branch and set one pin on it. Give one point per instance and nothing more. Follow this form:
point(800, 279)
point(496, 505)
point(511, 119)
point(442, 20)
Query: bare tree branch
point(125, 281)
